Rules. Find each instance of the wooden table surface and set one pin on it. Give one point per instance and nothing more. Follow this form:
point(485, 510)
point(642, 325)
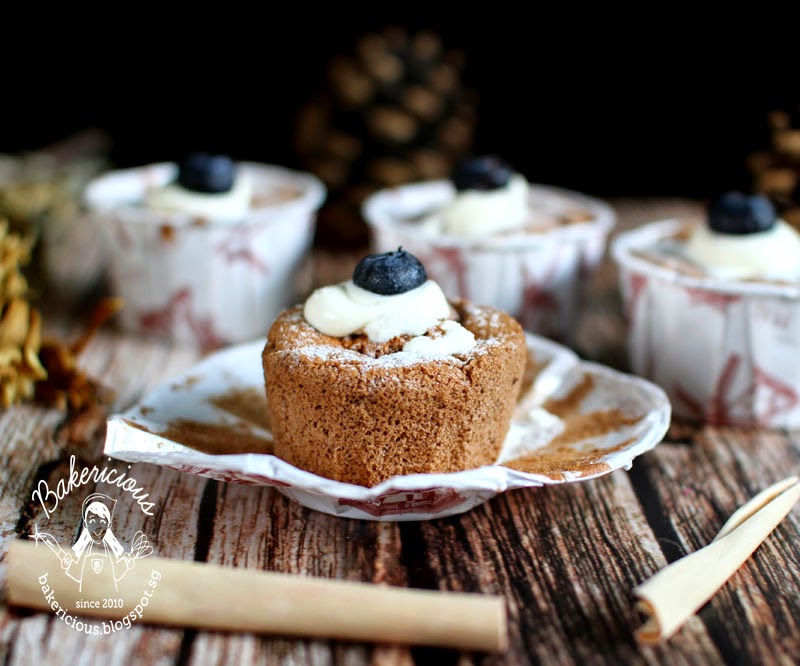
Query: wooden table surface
point(564, 557)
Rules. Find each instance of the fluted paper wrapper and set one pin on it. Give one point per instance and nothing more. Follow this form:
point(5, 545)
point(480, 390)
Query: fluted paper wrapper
point(538, 277)
point(727, 352)
point(201, 281)
point(212, 421)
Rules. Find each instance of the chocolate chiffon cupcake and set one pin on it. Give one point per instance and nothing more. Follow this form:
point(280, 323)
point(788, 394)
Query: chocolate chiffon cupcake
point(408, 384)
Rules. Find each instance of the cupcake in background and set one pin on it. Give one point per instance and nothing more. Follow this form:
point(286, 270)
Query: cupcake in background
point(714, 311)
point(206, 251)
point(488, 235)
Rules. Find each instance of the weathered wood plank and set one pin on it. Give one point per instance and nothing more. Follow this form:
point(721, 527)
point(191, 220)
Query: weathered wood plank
point(27, 454)
point(259, 528)
point(24, 446)
point(172, 531)
point(133, 365)
point(565, 558)
point(755, 618)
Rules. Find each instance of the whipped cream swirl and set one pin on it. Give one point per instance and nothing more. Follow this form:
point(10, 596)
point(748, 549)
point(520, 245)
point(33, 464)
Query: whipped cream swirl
point(454, 339)
point(475, 213)
point(772, 254)
point(345, 308)
point(231, 205)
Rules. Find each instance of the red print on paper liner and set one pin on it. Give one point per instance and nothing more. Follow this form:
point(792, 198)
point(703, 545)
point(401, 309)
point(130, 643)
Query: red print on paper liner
point(229, 476)
point(447, 261)
point(636, 286)
point(177, 310)
point(541, 309)
point(238, 248)
point(726, 407)
point(394, 503)
point(122, 234)
point(712, 299)
point(782, 397)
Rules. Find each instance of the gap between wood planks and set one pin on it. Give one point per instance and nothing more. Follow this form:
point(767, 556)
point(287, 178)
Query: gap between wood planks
point(703, 474)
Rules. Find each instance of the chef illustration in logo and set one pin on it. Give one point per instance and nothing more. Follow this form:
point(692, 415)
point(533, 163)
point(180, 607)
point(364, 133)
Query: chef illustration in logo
point(97, 553)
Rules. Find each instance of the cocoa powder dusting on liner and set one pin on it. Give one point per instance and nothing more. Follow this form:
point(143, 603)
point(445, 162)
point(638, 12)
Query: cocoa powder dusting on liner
point(212, 438)
point(552, 466)
point(133, 424)
point(532, 370)
point(248, 404)
point(167, 233)
point(671, 262)
point(565, 451)
point(279, 195)
point(580, 427)
point(550, 461)
point(571, 403)
point(187, 383)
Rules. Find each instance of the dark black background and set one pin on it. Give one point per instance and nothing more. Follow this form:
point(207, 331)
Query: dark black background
point(627, 103)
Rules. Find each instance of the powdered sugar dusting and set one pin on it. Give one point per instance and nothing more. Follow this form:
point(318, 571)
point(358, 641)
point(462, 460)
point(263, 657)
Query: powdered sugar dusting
point(307, 343)
point(331, 353)
point(484, 317)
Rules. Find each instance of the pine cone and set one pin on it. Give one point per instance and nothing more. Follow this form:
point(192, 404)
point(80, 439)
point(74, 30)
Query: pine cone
point(392, 113)
point(776, 172)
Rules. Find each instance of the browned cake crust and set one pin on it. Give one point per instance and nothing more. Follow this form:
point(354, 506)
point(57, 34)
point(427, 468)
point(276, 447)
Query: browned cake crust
point(362, 418)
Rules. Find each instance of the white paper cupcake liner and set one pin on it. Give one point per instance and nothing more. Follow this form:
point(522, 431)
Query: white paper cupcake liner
point(145, 433)
point(205, 282)
point(538, 277)
point(725, 351)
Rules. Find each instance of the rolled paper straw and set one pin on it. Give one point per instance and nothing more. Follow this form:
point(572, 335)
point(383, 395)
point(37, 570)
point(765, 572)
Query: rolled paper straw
point(754, 505)
point(208, 596)
point(675, 593)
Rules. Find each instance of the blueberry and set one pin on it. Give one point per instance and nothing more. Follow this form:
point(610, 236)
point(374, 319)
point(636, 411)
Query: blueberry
point(212, 174)
point(737, 213)
point(481, 173)
point(389, 273)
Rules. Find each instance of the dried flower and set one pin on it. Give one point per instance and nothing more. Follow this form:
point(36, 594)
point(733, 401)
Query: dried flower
point(20, 324)
point(67, 387)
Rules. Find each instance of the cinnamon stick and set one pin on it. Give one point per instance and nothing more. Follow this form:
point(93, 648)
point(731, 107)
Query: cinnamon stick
point(208, 596)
